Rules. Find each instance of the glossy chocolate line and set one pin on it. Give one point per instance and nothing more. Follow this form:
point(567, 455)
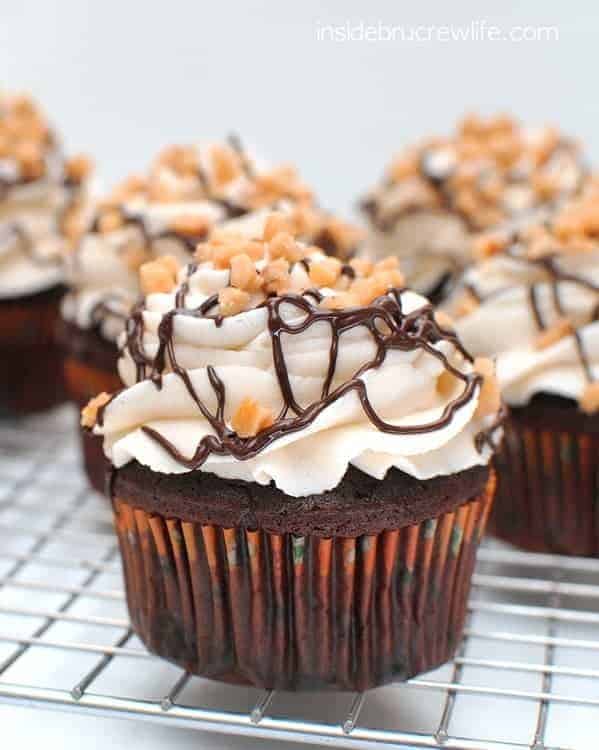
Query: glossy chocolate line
point(534, 306)
point(388, 326)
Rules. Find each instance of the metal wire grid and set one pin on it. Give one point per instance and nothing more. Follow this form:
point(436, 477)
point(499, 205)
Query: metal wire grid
point(526, 674)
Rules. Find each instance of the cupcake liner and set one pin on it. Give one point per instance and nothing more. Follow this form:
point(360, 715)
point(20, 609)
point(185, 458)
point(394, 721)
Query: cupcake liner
point(548, 488)
point(84, 382)
point(31, 376)
point(288, 612)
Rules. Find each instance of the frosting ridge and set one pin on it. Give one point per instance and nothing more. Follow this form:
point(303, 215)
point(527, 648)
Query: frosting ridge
point(295, 374)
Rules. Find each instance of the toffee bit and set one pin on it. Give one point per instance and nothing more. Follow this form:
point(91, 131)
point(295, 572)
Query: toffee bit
point(191, 225)
point(232, 301)
point(275, 223)
point(159, 276)
point(559, 330)
point(78, 168)
point(89, 413)
point(489, 400)
point(250, 418)
point(589, 401)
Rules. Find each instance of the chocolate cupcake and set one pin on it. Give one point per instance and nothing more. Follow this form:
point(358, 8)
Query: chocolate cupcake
point(41, 203)
point(531, 302)
point(437, 195)
point(189, 191)
point(300, 467)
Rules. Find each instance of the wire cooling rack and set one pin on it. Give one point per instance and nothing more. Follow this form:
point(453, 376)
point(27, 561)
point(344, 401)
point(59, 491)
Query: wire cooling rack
point(526, 674)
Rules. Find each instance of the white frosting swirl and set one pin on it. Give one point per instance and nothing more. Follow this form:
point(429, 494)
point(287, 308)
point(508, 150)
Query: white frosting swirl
point(503, 325)
point(31, 244)
point(488, 175)
point(406, 389)
point(103, 273)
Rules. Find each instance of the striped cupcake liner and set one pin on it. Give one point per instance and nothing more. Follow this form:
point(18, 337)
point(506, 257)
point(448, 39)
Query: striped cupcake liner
point(548, 490)
point(287, 612)
point(84, 382)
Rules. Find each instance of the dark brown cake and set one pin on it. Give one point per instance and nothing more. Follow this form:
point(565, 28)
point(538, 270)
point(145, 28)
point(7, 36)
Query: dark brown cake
point(360, 504)
point(31, 376)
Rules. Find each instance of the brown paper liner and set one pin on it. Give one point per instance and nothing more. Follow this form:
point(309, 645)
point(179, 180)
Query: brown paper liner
point(84, 382)
point(287, 612)
point(548, 487)
point(30, 357)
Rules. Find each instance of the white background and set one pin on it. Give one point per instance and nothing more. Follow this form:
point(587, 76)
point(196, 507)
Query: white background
point(121, 79)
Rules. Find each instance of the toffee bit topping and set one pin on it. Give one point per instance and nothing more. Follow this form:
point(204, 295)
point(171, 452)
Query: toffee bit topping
point(589, 401)
point(89, 413)
point(110, 221)
point(244, 274)
point(279, 263)
point(78, 168)
point(559, 330)
point(489, 400)
point(278, 222)
point(487, 245)
point(251, 418)
point(487, 172)
point(25, 137)
point(466, 304)
point(159, 275)
point(232, 301)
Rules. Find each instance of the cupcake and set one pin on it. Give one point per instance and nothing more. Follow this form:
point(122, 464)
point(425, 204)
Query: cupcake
point(41, 198)
point(300, 467)
point(435, 196)
point(531, 302)
point(188, 192)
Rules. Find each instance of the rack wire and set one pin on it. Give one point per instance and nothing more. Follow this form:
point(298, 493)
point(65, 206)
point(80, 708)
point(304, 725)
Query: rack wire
point(526, 674)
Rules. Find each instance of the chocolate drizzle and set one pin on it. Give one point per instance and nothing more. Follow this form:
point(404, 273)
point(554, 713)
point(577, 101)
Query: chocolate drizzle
point(288, 315)
point(440, 181)
point(554, 276)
